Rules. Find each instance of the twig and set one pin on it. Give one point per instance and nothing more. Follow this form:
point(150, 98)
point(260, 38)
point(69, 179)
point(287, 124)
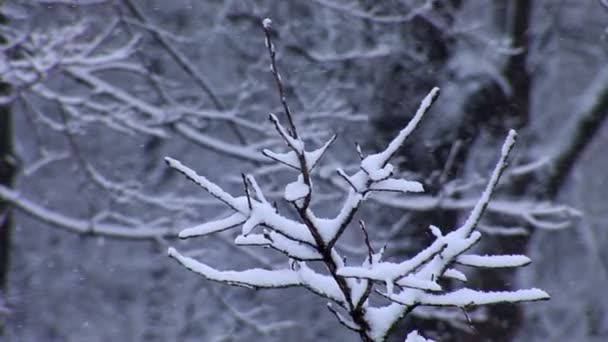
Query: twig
point(266, 25)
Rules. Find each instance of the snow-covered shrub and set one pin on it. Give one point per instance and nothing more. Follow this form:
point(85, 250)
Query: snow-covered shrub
point(307, 239)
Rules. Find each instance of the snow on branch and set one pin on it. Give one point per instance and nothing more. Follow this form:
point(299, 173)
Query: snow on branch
point(481, 205)
point(213, 189)
point(213, 226)
point(466, 298)
point(307, 238)
point(253, 278)
point(493, 261)
point(376, 162)
point(415, 337)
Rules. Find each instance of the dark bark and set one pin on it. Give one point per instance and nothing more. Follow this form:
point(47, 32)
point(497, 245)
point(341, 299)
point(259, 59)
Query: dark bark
point(516, 69)
point(7, 172)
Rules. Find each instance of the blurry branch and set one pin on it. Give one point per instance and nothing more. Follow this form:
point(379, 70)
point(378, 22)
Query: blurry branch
point(351, 9)
point(84, 63)
point(181, 60)
point(79, 64)
point(158, 30)
point(247, 318)
point(589, 119)
point(65, 50)
point(539, 214)
point(46, 159)
point(452, 316)
point(356, 54)
point(81, 226)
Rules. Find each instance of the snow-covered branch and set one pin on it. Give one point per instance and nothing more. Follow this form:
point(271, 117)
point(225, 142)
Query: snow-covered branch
point(309, 238)
point(83, 226)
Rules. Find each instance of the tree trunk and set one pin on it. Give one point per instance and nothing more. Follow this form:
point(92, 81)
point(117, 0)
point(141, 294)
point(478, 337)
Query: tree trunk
point(7, 171)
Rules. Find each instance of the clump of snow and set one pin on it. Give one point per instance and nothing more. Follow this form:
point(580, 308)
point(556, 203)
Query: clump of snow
point(415, 337)
point(397, 185)
point(493, 261)
point(296, 190)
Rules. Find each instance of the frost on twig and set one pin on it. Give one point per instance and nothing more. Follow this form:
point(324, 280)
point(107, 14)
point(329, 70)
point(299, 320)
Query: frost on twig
point(307, 238)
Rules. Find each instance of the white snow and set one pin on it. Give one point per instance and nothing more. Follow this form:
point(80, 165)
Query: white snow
point(290, 248)
point(211, 187)
point(290, 158)
point(296, 190)
point(475, 215)
point(313, 157)
point(455, 274)
point(321, 284)
point(415, 337)
point(468, 297)
point(289, 228)
point(256, 277)
point(493, 261)
point(419, 283)
point(252, 240)
point(213, 226)
point(376, 161)
point(397, 185)
point(253, 221)
point(296, 145)
point(377, 173)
